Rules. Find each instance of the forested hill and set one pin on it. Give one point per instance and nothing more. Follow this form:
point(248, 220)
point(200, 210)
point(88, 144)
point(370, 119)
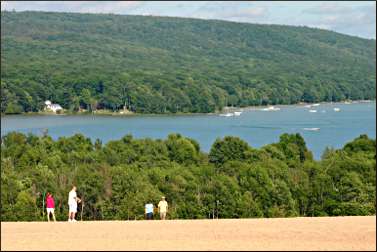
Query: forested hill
point(165, 64)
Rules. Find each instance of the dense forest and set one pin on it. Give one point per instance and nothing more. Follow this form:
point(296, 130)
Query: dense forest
point(234, 180)
point(168, 65)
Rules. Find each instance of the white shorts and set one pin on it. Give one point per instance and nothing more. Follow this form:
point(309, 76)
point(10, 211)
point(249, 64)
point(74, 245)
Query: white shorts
point(50, 210)
point(73, 208)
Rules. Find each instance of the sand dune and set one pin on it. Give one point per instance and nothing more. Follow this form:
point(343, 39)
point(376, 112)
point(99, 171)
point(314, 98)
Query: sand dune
point(320, 233)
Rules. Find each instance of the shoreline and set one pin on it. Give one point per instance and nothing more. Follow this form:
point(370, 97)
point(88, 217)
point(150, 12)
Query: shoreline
point(302, 104)
point(224, 110)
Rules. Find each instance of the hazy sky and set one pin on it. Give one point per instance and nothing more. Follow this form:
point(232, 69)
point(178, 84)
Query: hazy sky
point(354, 18)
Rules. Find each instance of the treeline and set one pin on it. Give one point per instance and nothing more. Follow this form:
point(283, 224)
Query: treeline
point(233, 180)
point(170, 65)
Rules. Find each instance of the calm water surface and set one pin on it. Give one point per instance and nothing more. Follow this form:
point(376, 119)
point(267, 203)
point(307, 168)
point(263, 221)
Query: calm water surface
point(255, 126)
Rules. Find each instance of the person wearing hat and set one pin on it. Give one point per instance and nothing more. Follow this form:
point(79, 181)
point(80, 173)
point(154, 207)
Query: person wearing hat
point(162, 208)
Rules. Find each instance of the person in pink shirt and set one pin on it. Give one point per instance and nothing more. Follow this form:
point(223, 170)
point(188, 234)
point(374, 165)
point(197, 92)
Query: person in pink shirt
point(50, 206)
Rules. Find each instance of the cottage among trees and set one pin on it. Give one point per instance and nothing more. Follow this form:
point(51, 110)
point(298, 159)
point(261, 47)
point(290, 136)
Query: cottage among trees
point(52, 107)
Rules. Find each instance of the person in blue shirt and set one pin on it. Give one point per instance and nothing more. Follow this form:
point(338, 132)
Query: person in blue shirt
point(149, 211)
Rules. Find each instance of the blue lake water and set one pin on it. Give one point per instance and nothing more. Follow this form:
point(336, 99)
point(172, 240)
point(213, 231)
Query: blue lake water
point(255, 126)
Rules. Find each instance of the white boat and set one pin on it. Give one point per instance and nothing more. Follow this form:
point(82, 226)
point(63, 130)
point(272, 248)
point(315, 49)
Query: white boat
point(315, 104)
point(237, 113)
point(308, 106)
point(313, 111)
point(311, 129)
point(227, 114)
point(336, 109)
point(271, 108)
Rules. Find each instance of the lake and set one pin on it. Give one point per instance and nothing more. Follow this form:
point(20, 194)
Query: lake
point(254, 125)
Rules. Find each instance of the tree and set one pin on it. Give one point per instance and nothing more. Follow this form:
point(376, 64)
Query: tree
point(181, 149)
point(294, 147)
point(86, 98)
point(229, 148)
point(25, 208)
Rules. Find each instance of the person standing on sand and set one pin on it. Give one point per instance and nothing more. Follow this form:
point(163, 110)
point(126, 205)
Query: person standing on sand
point(149, 211)
point(162, 208)
point(72, 203)
point(50, 206)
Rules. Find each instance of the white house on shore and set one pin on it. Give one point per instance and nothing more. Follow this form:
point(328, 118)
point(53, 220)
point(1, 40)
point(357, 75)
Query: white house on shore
point(52, 107)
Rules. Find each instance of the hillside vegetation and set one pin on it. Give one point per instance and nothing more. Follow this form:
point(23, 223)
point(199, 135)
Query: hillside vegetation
point(169, 65)
point(233, 181)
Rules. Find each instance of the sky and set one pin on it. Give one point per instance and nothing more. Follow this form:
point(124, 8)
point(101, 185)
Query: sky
point(357, 18)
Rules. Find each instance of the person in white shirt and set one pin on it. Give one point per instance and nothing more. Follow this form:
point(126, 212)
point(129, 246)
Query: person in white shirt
point(149, 211)
point(162, 208)
point(72, 203)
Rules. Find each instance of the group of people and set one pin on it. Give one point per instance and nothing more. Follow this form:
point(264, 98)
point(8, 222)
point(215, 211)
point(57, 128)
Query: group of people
point(73, 200)
point(162, 209)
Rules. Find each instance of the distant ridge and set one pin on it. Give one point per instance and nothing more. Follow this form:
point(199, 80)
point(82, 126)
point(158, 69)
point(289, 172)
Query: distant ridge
point(152, 64)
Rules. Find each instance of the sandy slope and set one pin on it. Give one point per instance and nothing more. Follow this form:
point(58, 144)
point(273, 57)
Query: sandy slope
point(325, 233)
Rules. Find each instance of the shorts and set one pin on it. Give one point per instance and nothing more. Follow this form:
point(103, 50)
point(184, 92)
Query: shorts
point(73, 208)
point(149, 216)
point(50, 210)
point(162, 215)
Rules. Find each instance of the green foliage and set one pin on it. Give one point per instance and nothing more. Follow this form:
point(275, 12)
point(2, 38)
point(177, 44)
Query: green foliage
point(25, 207)
point(362, 143)
point(230, 148)
point(294, 147)
point(182, 150)
point(172, 65)
point(116, 179)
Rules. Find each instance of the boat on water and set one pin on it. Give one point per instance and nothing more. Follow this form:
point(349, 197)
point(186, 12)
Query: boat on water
point(308, 106)
point(315, 104)
point(313, 111)
point(336, 109)
point(227, 114)
point(311, 129)
point(271, 108)
point(235, 113)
